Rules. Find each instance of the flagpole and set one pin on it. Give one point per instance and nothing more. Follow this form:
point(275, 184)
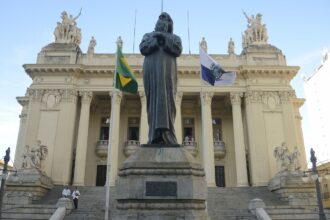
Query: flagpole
point(107, 196)
point(161, 6)
point(188, 32)
point(134, 31)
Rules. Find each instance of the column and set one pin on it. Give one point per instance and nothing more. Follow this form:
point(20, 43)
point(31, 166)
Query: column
point(113, 148)
point(207, 139)
point(258, 152)
point(144, 128)
point(241, 171)
point(178, 119)
point(24, 101)
point(81, 150)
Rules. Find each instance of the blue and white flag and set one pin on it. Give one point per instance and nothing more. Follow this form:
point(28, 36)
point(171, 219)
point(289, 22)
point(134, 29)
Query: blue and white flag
point(213, 73)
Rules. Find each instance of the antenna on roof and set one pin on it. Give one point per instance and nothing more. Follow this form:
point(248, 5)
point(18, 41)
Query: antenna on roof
point(161, 9)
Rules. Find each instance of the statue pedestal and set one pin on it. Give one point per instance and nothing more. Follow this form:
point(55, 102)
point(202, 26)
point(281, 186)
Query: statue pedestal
point(161, 182)
point(291, 188)
point(26, 185)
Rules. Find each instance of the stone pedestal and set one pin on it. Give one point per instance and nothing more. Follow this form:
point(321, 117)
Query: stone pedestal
point(291, 188)
point(161, 183)
point(26, 185)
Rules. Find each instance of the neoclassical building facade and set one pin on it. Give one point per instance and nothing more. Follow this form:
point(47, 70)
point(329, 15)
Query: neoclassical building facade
point(90, 128)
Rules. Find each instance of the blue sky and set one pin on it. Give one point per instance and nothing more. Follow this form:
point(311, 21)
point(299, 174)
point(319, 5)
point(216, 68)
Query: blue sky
point(300, 28)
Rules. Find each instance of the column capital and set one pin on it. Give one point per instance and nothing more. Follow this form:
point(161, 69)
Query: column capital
point(68, 95)
point(235, 98)
point(116, 96)
point(253, 97)
point(286, 96)
point(86, 96)
point(142, 95)
point(35, 94)
point(206, 97)
point(178, 97)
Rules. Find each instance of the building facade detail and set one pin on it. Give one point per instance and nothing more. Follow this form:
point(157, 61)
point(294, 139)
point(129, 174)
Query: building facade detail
point(73, 108)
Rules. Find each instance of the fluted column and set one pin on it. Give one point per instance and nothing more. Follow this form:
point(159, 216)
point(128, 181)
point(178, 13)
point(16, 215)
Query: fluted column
point(178, 119)
point(144, 119)
point(207, 139)
point(113, 148)
point(241, 171)
point(81, 150)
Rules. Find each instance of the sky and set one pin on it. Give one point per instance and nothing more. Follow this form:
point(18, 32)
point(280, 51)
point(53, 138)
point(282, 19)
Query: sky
point(300, 28)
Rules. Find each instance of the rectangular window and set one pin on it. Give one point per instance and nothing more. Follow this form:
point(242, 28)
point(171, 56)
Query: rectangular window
point(133, 128)
point(217, 131)
point(104, 130)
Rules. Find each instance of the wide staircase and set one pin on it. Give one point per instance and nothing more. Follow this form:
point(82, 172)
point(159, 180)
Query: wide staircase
point(222, 203)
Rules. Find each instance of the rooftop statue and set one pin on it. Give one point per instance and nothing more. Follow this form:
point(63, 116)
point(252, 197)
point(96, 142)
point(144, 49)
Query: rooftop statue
point(161, 48)
point(231, 47)
point(203, 44)
point(256, 33)
point(67, 30)
point(91, 46)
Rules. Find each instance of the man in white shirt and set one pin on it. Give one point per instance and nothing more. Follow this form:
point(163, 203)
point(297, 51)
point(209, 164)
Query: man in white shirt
point(75, 197)
point(66, 192)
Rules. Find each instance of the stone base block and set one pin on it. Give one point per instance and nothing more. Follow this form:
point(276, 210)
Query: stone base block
point(164, 183)
point(291, 188)
point(26, 185)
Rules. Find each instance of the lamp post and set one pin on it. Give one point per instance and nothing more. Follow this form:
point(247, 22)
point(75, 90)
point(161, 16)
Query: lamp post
point(3, 178)
point(317, 185)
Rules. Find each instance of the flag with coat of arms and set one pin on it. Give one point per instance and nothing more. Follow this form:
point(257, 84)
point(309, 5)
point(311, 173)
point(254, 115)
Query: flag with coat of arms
point(212, 72)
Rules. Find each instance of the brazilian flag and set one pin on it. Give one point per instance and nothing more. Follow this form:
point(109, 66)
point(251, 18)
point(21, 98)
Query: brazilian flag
point(125, 79)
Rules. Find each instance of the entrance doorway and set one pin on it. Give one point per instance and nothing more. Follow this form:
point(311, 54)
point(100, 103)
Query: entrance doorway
point(220, 176)
point(101, 175)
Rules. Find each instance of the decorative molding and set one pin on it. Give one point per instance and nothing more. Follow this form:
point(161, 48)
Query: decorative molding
point(51, 98)
point(235, 98)
point(271, 100)
point(253, 97)
point(206, 98)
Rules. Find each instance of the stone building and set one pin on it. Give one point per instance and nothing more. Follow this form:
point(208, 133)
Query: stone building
point(232, 130)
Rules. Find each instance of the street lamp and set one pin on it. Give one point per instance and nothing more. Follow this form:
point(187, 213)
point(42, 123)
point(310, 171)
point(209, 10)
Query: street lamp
point(315, 177)
point(3, 178)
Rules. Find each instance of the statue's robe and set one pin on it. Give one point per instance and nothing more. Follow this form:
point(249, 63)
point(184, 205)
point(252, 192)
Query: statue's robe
point(160, 83)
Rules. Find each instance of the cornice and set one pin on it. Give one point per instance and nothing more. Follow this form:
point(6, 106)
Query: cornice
point(268, 71)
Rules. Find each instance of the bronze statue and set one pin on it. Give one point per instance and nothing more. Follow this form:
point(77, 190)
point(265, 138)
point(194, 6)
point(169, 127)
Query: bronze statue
point(161, 48)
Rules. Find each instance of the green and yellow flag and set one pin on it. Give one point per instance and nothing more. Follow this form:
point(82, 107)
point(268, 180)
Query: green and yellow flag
point(125, 79)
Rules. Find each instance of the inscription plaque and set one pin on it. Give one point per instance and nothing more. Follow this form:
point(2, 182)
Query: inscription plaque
point(161, 188)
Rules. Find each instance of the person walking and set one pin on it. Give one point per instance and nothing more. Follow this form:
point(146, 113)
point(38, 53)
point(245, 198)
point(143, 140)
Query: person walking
point(75, 197)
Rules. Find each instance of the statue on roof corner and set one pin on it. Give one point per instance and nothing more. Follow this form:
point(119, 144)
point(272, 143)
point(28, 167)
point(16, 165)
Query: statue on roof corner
point(161, 48)
point(256, 33)
point(67, 30)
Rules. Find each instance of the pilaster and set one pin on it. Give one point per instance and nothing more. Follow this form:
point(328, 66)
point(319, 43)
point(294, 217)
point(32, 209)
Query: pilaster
point(144, 119)
point(207, 139)
point(286, 98)
point(113, 149)
point(258, 152)
point(81, 150)
point(240, 156)
point(62, 156)
point(178, 119)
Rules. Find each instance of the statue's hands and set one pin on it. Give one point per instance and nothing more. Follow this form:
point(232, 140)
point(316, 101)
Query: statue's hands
point(160, 36)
